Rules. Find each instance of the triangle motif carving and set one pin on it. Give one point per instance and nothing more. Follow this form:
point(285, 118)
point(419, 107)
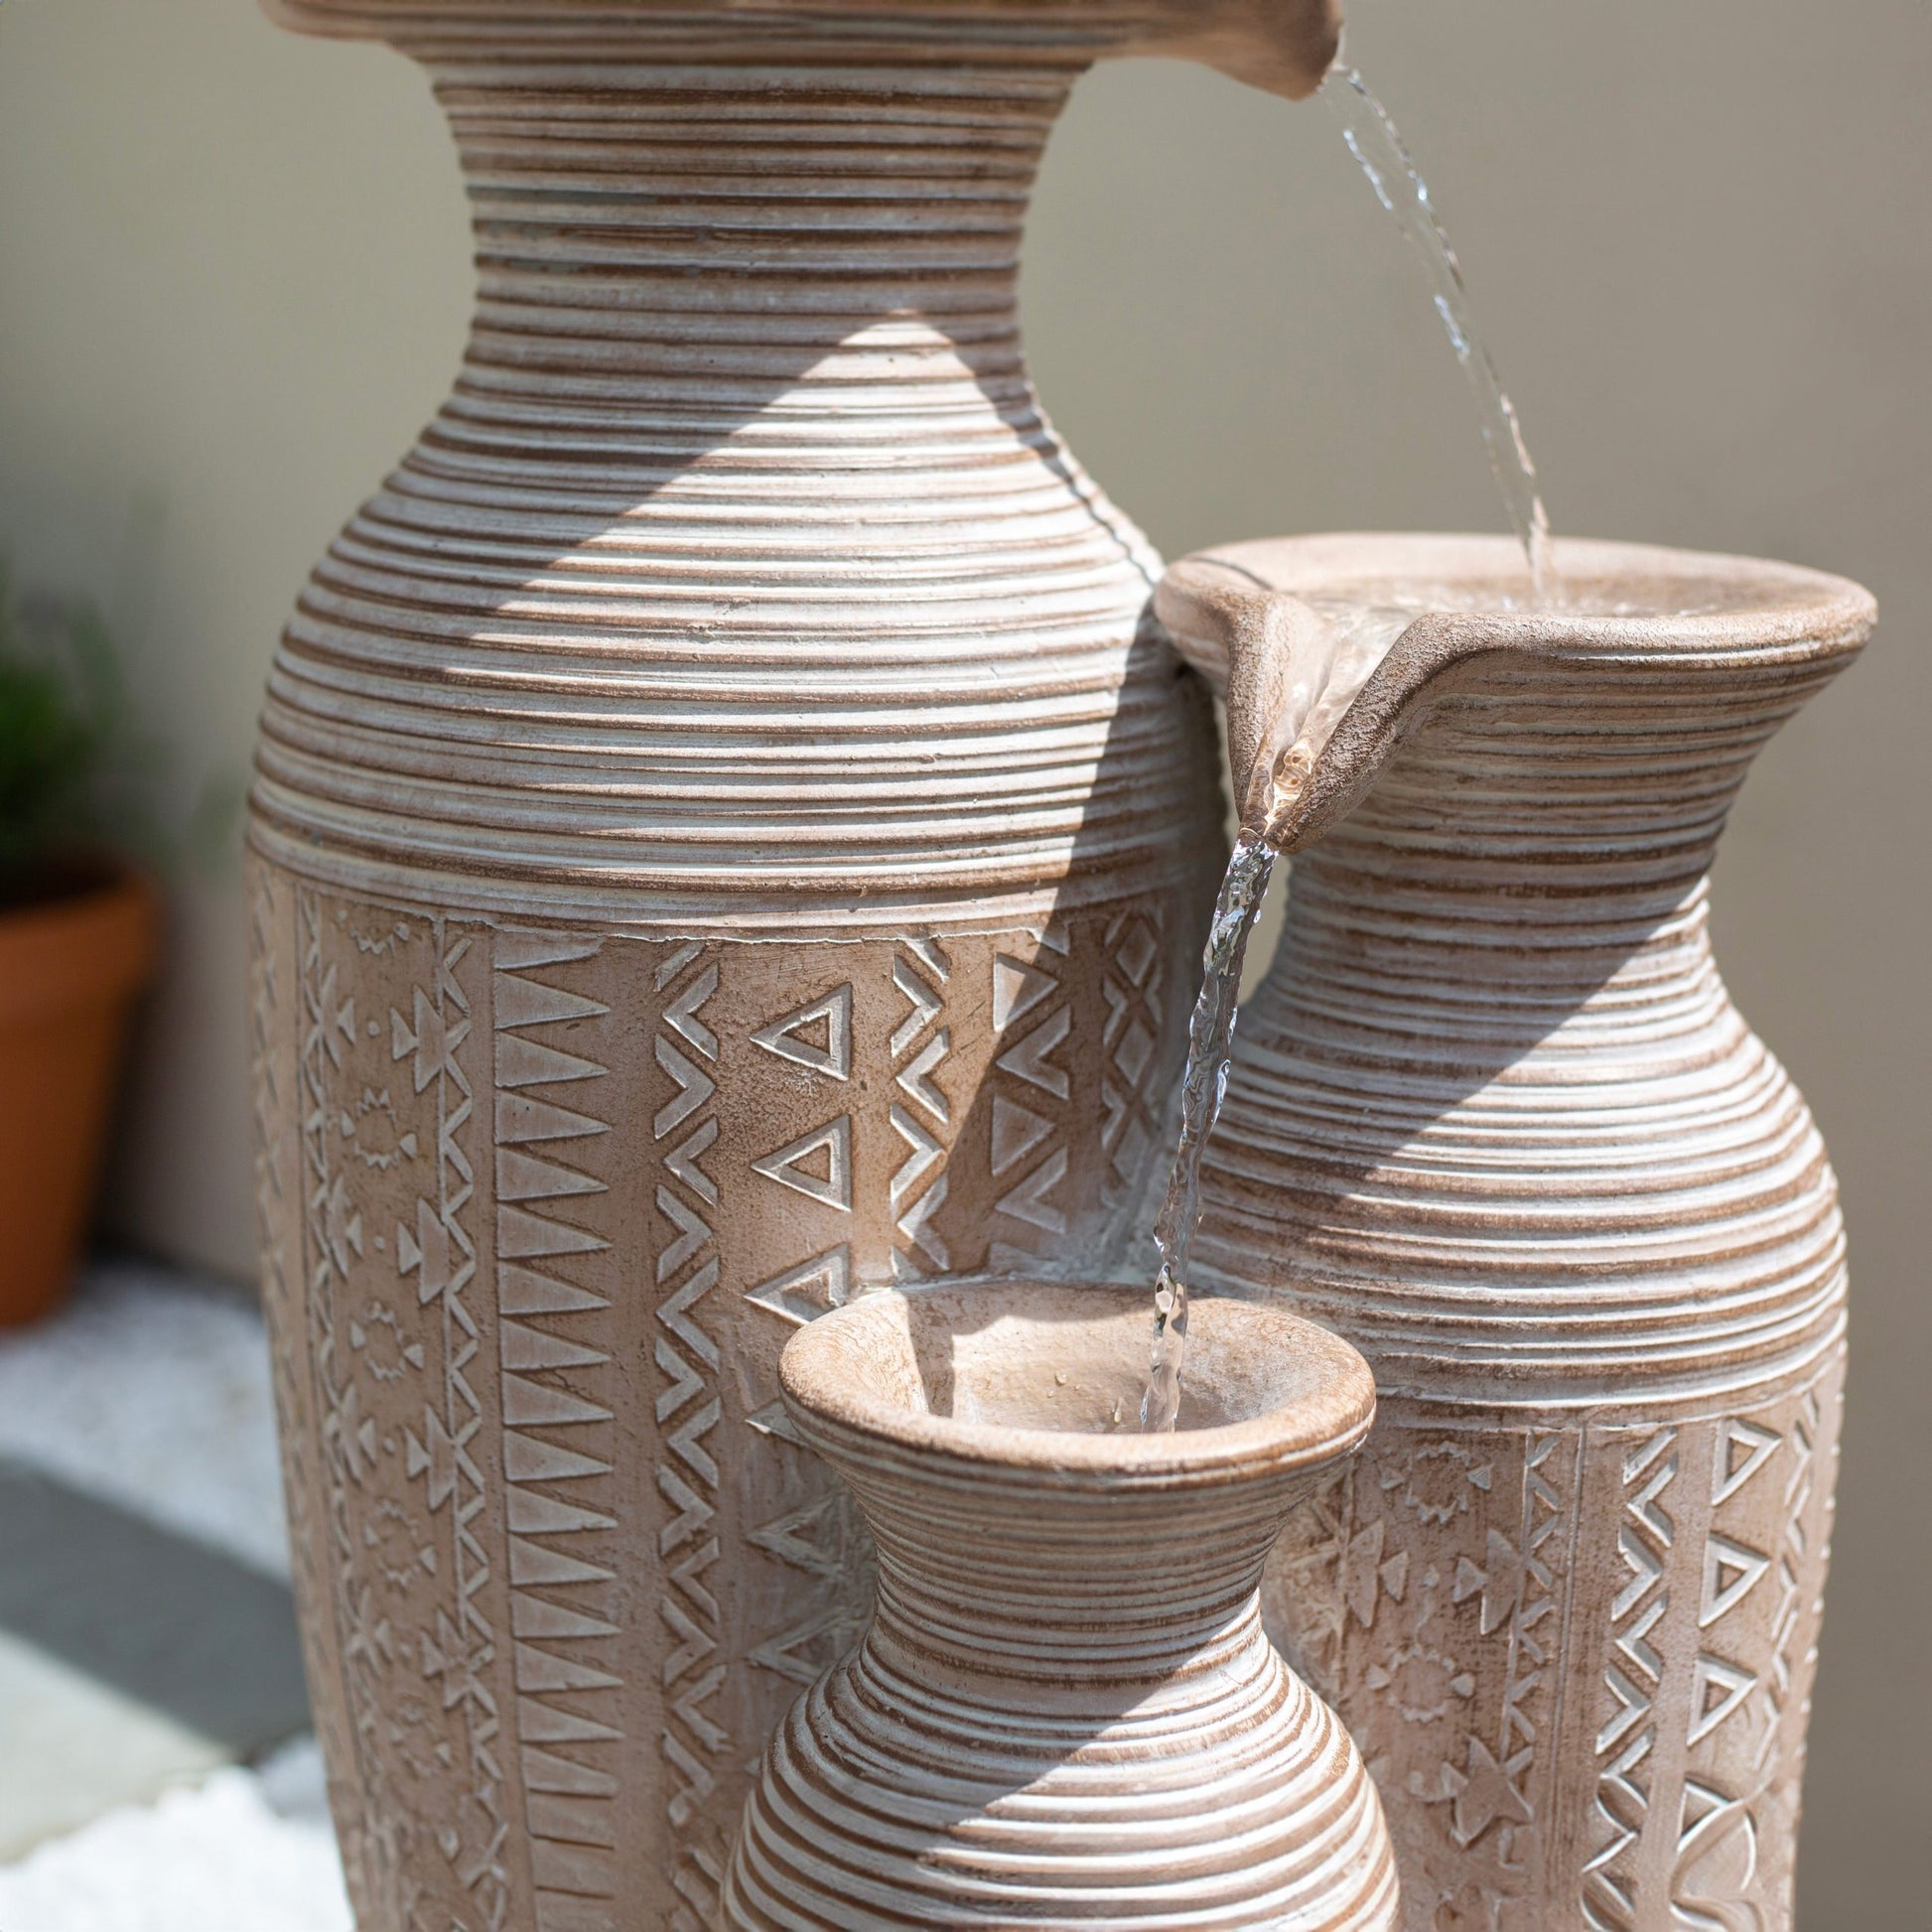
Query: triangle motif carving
point(817, 1165)
point(818, 1036)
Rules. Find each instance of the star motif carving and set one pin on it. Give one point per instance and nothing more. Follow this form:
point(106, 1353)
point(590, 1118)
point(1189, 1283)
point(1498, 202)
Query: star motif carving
point(1483, 1793)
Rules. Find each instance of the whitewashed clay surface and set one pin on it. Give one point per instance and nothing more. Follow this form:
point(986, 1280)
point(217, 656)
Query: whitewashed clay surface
point(719, 845)
point(1066, 1711)
point(1494, 1118)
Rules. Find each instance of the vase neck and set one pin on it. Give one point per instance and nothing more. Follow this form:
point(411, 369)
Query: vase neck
point(745, 524)
point(1554, 826)
point(704, 240)
point(1011, 1590)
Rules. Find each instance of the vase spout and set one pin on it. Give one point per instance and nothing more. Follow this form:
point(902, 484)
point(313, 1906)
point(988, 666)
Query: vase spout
point(1282, 47)
point(1288, 672)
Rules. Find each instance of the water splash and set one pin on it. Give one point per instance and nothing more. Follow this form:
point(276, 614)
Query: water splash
point(1210, 1041)
point(1376, 144)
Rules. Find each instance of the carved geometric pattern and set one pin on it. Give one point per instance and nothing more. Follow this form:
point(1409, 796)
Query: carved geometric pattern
point(1694, 1734)
point(1425, 1593)
point(824, 1540)
point(1633, 1676)
point(370, 1853)
point(689, 1406)
point(814, 1287)
point(404, 1400)
point(797, 1036)
point(1031, 1023)
point(924, 1117)
point(817, 1165)
point(1427, 1590)
point(556, 1603)
point(1132, 1094)
point(559, 1439)
point(278, 985)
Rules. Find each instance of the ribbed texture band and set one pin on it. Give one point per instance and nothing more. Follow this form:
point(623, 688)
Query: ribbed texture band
point(741, 562)
point(1494, 1113)
point(1066, 1712)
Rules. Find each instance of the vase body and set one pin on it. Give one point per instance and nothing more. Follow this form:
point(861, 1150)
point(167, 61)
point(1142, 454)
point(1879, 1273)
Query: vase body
point(1066, 1711)
point(1494, 1117)
point(718, 847)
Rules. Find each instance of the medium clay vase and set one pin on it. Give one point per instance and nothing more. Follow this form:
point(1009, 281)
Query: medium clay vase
point(1494, 1118)
point(1066, 1712)
point(718, 844)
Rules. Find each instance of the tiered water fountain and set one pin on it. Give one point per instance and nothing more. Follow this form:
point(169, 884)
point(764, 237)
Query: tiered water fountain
point(730, 844)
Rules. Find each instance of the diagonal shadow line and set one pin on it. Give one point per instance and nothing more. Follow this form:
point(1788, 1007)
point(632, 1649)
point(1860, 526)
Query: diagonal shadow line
point(169, 1622)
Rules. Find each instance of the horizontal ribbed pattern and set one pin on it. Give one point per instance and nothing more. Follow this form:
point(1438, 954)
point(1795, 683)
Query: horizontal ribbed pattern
point(1066, 1712)
point(1493, 1113)
point(741, 564)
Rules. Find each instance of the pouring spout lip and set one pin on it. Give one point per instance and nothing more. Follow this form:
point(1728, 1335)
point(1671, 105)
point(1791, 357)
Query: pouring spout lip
point(1286, 48)
point(1748, 604)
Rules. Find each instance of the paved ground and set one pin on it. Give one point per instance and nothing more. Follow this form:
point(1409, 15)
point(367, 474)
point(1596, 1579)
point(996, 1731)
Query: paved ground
point(154, 1775)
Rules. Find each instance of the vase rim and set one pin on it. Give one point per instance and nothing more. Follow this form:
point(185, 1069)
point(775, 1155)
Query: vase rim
point(1638, 598)
point(1284, 47)
point(968, 1373)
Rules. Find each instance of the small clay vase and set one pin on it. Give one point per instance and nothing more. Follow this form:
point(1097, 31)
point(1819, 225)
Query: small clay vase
point(1065, 1711)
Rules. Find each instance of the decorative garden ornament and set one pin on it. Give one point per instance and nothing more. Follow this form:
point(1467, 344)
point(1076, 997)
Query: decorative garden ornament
point(1494, 1118)
point(1066, 1712)
point(718, 844)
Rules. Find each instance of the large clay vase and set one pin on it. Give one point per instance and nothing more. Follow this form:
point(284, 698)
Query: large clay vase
point(1066, 1711)
point(718, 844)
point(1494, 1118)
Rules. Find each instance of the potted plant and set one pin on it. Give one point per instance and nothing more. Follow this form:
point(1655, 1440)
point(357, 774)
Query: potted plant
point(79, 926)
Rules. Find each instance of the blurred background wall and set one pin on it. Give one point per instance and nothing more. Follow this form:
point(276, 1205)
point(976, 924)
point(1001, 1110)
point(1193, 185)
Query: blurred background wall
point(233, 280)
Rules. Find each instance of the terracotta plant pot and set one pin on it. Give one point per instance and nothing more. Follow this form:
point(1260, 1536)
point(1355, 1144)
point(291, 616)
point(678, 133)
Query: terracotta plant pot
point(1066, 1712)
point(1494, 1118)
point(68, 973)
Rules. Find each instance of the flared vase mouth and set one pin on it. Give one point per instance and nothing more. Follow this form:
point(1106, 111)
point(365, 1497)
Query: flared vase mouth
point(1284, 47)
point(1328, 648)
point(1607, 597)
point(1043, 1379)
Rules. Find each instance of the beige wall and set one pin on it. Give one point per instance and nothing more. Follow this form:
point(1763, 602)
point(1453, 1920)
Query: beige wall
point(232, 281)
point(234, 277)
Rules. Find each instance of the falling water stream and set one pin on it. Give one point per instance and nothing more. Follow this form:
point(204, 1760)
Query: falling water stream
point(1210, 1038)
point(1378, 147)
point(1361, 635)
